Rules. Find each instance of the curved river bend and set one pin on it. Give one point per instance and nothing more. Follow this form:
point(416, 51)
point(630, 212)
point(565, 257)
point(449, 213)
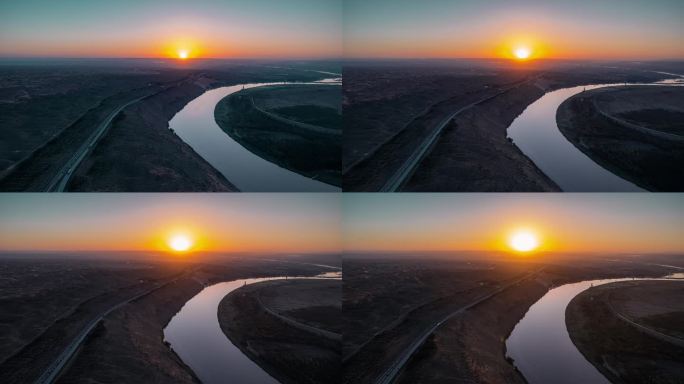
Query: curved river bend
point(540, 344)
point(537, 135)
point(196, 126)
point(195, 335)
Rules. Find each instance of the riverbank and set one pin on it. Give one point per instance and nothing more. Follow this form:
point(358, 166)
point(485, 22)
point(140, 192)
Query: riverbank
point(390, 111)
point(128, 345)
point(251, 318)
point(47, 303)
point(471, 346)
point(297, 127)
point(139, 153)
point(633, 131)
point(378, 146)
point(599, 323)
point(380, 326)
point(475, 154)
point(53, 113)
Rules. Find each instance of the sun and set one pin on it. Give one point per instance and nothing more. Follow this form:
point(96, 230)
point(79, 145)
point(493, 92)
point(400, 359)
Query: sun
point(523, 241)
point(180, 243)
point(522, 53)
point(183, 54)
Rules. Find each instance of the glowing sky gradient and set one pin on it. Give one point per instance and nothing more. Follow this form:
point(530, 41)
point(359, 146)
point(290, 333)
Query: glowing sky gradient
point(578, 29)
point(564, 222)
point(207, 28)
point(216, 222)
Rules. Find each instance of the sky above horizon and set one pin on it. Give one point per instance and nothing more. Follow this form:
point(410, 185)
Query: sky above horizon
point(611, 223)
point(315, 222)
point(273, 223)
point(203, 28)
point(578, 29)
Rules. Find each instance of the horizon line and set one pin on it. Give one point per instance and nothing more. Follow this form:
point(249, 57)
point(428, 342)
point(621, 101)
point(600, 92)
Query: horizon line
point(158, 251)
point(342, 253)
point(511, 59)
point(335, 58)
point(511, 251)
point(175, 58)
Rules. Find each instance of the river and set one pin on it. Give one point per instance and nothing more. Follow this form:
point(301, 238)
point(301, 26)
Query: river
point(540, 344)
point(195, 125)
point(195, 335)
point(537, 135)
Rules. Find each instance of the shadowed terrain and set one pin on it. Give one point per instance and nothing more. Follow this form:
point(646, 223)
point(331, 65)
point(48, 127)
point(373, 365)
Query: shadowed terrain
point(390, 303)
point(441, 125)
point(636, 132)
point(298, 127)
point(632, 331)
point(56, 297)
point(102, 124)
point(291, 328)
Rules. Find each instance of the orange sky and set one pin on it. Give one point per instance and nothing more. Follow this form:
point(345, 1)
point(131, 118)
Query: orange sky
point(142, 29)
point(563, 222)
point(226, 223)
point(580, 29)
point(319, 222)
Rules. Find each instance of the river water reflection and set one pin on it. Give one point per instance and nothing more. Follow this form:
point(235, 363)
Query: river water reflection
point(537, 135)
point(195, 335)
point(540, 344)
point(195, 125)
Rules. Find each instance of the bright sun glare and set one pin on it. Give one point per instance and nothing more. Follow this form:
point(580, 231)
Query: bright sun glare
point(180, 243)
point(183, 54)
point(522, 53)
point(523, 241)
